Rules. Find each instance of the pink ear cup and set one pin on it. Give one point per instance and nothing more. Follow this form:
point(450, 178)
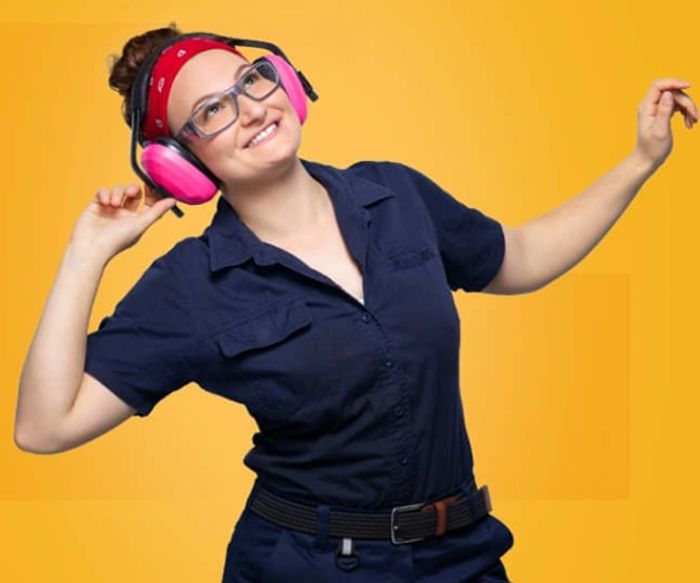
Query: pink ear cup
point(177, 175)
point(291, 85)
point(180, 177)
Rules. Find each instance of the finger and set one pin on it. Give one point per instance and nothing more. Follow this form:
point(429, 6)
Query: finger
point(151, 197)
point(651, 99)
point(132, 195)
point(156, 196)
point(684, 104)
point(688, 117)
point(115, 198)
point(688, 105)
point(102, 195)
point(157, 210)
point(664, 110)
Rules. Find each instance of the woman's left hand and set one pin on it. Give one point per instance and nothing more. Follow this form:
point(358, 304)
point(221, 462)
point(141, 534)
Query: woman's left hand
point(665, 97)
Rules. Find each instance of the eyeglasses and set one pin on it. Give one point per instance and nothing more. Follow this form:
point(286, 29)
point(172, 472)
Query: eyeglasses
point(220, 111)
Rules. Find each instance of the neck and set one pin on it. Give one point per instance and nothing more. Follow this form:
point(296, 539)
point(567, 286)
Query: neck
point(285, 205)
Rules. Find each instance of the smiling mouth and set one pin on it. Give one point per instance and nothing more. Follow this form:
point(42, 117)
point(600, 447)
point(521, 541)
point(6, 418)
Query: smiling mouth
point(275, 128)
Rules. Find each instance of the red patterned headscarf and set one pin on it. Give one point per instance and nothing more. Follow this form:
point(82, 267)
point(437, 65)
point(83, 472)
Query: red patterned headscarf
point(163, 73)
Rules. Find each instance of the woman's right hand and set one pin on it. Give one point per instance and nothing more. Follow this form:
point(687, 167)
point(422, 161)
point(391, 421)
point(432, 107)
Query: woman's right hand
point(111, 223)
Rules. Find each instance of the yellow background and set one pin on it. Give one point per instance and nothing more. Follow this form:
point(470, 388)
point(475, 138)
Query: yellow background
point(580, 398)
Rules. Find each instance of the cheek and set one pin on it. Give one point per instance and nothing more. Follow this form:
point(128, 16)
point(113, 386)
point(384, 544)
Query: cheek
point(218, 157)
point(222, 146)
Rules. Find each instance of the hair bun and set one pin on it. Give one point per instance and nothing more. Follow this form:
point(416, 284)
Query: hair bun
point(123, 69)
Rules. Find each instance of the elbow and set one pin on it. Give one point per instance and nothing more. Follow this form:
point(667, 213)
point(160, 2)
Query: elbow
point(522, 271)
point(36, 446)
point(31, 442)
point(516, 274)
point(33, 432)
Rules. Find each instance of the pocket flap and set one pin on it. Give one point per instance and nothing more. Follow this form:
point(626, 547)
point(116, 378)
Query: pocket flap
point(266, 329)
point(402, 258)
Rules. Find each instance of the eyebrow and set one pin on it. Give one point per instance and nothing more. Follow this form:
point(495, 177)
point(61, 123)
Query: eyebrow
point(203, 97)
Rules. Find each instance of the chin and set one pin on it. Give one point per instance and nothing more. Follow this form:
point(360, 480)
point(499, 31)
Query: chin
point(253, 169)
point(272, 154)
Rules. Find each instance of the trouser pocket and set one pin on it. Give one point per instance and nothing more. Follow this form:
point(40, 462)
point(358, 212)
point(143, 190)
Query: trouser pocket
point(251, 550)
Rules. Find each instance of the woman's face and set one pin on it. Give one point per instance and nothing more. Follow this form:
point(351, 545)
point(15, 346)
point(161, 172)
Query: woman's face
point(226, 154)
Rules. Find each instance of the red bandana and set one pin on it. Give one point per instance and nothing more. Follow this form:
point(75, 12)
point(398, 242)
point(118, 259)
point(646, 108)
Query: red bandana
point(164, 71)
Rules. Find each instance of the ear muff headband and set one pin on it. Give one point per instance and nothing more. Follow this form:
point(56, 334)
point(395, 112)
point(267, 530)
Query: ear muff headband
point(170, 169)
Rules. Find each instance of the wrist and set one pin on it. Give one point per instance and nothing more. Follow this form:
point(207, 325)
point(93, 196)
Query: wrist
point(81, 252)
point(642, 163)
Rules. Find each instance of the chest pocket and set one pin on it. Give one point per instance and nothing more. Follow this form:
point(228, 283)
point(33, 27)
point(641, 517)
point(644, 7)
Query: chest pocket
point(427, 316)
point(275, 362)
point(266, 329)
point(413, 256)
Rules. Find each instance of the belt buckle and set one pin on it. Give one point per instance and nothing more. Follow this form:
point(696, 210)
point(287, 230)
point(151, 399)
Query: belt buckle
point(394, 527)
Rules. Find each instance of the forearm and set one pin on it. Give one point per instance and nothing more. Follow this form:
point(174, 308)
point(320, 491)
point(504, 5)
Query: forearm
point(553, 243)
point(53, 368)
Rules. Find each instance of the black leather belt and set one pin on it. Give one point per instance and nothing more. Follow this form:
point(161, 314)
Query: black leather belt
point(401, 524)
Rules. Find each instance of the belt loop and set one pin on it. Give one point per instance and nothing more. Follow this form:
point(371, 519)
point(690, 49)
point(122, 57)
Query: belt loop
point(323, 526)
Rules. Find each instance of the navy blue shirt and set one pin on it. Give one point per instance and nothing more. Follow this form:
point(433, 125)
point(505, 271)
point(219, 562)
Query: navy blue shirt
point(357, 404)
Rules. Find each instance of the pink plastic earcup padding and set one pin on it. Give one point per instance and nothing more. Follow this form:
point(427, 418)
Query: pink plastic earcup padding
point(291, 85)
point(179, 177)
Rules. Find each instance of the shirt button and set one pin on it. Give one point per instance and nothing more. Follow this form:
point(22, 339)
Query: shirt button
point(398, 410)
point(366, 317)
point(388, 363)
point(404, 460)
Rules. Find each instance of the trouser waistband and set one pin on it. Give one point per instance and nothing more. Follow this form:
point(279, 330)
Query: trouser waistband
point(400, 524)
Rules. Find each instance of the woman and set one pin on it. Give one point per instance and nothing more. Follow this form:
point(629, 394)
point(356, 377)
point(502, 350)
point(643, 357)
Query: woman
point(321, 298)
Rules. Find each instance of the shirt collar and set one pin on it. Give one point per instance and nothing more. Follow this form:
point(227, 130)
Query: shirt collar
point(231, 242)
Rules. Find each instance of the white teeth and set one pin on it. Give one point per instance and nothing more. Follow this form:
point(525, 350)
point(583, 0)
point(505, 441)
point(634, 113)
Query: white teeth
point(269, 129)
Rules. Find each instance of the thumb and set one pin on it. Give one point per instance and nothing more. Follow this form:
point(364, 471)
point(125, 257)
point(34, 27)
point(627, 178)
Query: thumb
point(665, 107)
point(157, 210)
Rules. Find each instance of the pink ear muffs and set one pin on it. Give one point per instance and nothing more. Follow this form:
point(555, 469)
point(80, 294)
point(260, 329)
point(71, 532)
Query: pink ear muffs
point(173, 169)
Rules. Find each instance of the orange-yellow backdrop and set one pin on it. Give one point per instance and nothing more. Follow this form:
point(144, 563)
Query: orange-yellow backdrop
point(580, 398)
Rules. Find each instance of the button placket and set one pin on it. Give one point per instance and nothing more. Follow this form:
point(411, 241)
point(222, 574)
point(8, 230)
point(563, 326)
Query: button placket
point(399, 434)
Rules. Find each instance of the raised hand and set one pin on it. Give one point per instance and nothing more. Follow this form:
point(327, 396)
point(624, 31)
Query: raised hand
point(664, 98)
point(112, 222)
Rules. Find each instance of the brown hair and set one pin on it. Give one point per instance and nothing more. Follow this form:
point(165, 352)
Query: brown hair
point(122, 69)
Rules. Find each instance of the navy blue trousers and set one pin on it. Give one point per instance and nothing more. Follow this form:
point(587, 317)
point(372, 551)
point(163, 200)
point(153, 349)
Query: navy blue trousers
point(260, 551)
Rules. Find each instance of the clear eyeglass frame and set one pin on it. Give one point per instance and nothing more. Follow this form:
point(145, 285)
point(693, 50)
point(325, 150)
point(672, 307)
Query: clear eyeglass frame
point(190, 131)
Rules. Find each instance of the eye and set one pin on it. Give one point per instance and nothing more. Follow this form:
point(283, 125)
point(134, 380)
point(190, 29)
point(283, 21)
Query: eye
point(251, 77)
point(209, 108)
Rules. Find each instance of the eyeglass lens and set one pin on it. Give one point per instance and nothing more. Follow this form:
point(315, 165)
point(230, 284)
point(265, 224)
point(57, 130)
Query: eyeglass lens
point(218, 112)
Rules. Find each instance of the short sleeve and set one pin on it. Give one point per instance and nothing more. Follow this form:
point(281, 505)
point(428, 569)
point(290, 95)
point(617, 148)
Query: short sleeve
point(471, 243)
point(143, 351)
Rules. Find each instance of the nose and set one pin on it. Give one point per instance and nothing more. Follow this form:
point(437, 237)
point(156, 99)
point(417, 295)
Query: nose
point(250, 109)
